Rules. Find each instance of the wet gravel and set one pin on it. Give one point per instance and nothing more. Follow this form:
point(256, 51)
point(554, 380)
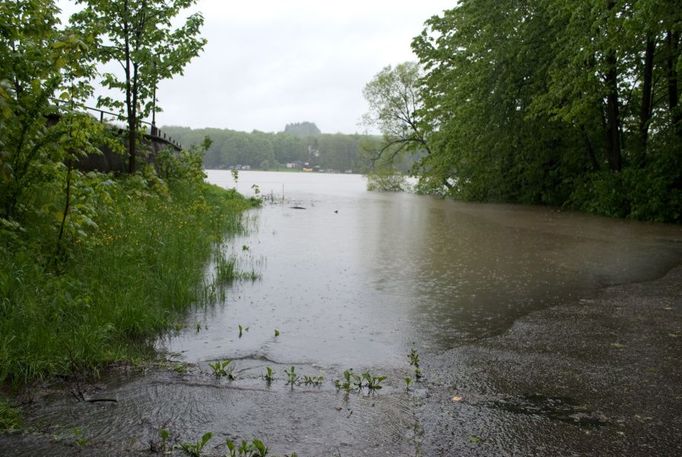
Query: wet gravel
point(602, 376)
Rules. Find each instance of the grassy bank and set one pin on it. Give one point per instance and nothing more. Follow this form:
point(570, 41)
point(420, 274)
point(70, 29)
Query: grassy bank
point(130, 263)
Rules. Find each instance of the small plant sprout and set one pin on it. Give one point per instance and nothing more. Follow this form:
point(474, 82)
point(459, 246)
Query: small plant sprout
point(292, 377)
point(198, 327)
point(408, 382)
point(313, 380)
point(242, 329)
point(164, 434)
point(347, 383)
point(79, 440)
point(245, 247)
point(413, 357)
point(222, 368)
point(269, 375)
point(372, 382)
point(276, 333)
point(195, 449)
point(351, 381)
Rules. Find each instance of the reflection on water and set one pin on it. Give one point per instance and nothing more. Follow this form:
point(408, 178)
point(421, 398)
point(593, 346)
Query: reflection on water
point(356, 277)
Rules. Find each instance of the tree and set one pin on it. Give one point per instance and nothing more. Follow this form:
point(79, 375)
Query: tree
point(139, 36)
point(302, 129)
point(40, 61)
point(394, 101)
point(566, 103)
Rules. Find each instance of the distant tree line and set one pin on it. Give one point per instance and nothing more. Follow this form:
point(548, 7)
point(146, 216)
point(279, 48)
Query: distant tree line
point(568, 103)
point(299, 145)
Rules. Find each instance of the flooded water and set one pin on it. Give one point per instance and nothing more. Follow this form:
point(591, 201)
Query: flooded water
point(356, 279)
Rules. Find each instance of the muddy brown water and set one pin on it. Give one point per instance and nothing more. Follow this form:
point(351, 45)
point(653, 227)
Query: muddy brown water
point(356, 279)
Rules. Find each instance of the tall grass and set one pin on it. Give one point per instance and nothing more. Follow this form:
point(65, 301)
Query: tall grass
point(128, 274)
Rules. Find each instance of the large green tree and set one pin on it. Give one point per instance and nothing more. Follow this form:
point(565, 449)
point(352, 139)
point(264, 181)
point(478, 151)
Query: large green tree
point(40, 63)
point(141, 38)
point(567, 103)
point(394, 100)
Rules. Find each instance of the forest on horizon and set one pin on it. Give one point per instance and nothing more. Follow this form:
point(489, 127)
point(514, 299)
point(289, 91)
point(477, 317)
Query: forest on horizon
point(299, 144)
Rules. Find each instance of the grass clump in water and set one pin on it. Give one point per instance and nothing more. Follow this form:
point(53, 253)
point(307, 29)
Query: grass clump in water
point(10, 418)
point(130, 262)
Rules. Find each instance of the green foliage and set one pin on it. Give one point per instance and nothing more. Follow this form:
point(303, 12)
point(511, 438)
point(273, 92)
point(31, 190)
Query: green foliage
point(261, 150)
point(226, 271)
point(552, 103)
point(144, 40)
point(184, 166)
point(313, 380)
point(196, 449)
point(134, 255)
point(292, 376)
point(256, 448)
point(394, 102)
point(10, 418)
point(269, 375)
point(40, 62)
point(386, 180)
point(413, 358)
point(222, 368)
point(353, 382)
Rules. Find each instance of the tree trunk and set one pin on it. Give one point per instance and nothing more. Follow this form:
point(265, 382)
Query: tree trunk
point(672, 41)
point(647, 99)
point(130, 111)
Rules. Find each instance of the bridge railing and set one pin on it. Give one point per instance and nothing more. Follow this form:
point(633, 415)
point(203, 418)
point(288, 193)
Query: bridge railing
point(155, 133)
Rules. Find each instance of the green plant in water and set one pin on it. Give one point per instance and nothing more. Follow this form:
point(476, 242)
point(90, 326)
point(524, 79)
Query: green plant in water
point(222, 368)
point(408, 382)
point(372, 382)
point(195, 449)
point(255, 448)
point(225, 269)
point(242, 329)
point(10, 418)
point(413, 358)
point(276, 333)
point(269, 375)
point(349, 380)
point(313, 380)
point(180, 368)
point(164, 434)
point(80, 440)
point(292, 377)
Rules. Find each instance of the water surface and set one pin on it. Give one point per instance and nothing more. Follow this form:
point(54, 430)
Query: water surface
point(356, 278)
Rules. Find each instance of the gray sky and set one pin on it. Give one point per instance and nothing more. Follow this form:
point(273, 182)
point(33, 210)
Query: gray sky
point(271, 62)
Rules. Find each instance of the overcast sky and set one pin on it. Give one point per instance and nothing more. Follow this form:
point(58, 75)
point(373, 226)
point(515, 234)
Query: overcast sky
point(271, 62)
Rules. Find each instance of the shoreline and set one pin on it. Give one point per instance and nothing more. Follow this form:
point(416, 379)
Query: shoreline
point(601, 374)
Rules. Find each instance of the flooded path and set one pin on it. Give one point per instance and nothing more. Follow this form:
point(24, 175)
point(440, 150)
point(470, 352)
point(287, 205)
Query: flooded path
point(506, 305)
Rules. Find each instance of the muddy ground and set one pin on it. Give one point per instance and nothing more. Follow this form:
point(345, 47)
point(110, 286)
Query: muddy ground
point(601, 376)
